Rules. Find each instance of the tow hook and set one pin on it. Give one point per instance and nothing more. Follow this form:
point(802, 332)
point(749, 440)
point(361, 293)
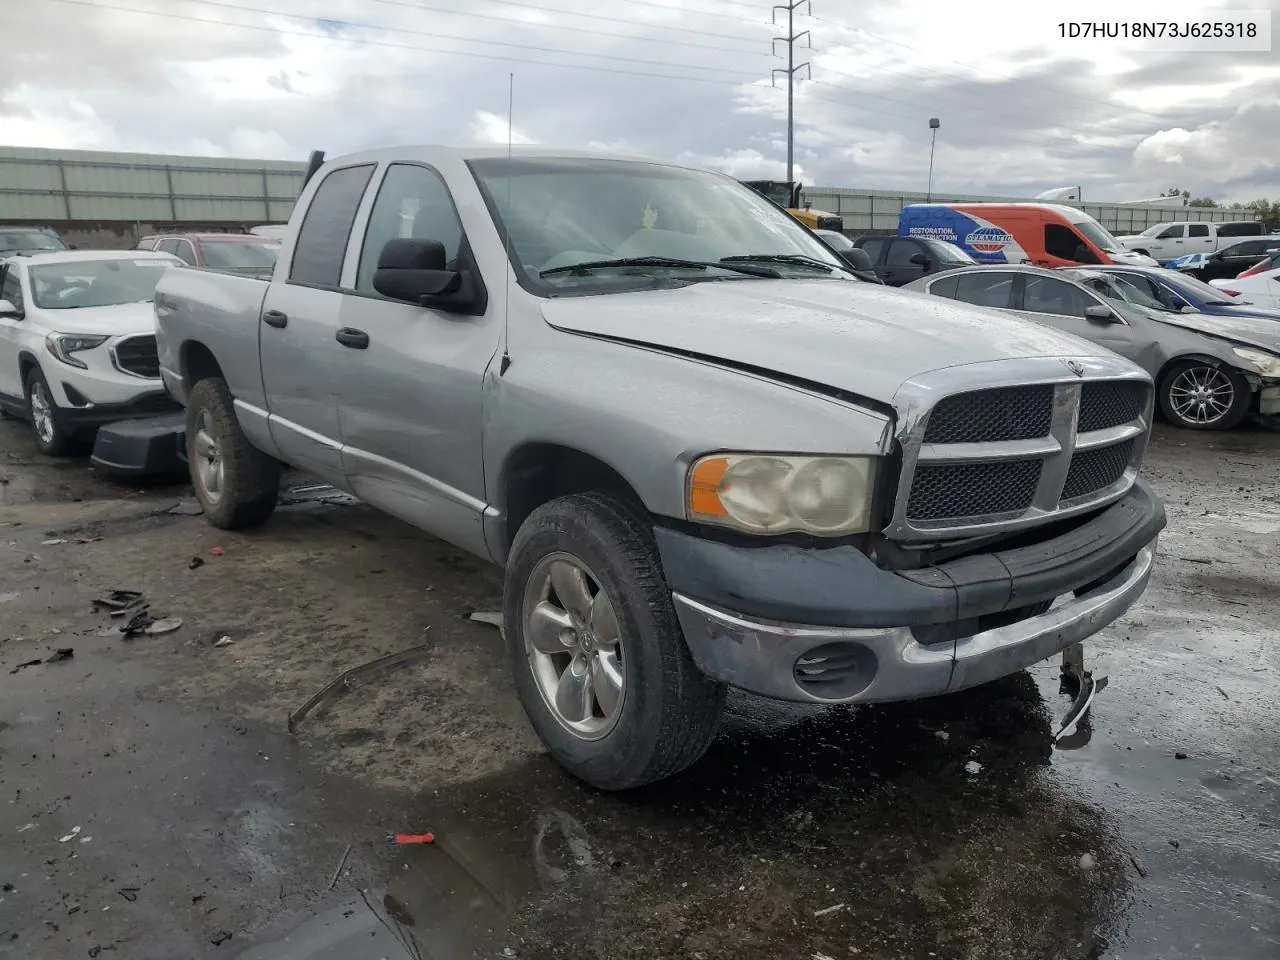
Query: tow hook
point(1080, 682)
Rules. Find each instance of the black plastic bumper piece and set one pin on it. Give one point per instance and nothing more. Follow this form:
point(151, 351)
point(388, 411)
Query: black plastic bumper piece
point(151, 447)
point(841, 587)
point(148, 405)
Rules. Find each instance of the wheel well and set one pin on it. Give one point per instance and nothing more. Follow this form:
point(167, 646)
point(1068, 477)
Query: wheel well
point(25, 364)
point(540, 472)
point(198, 363)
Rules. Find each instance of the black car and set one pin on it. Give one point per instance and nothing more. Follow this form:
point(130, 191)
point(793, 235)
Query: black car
point(1238, 257)
point(900, 260)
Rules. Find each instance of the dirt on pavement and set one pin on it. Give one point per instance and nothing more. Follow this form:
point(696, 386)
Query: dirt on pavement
point(951, 827)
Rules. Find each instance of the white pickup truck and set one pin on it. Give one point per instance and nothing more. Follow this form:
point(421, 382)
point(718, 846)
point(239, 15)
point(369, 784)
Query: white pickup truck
point(705, 454)
point(1168, 241)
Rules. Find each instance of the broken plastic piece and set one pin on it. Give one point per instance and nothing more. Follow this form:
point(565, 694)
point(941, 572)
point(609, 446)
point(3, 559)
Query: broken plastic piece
point(217, 551)
point(157, 627)
point(405, 838)
point(491, 617)
point(343, 680)
point(23, 666)
point(119, 599)
point(223, 642)
point(62, 653)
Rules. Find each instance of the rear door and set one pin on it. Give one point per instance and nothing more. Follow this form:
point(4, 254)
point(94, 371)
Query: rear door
point(1200, 239)
point(412, 378)
point(301, 358)
point(898, 266)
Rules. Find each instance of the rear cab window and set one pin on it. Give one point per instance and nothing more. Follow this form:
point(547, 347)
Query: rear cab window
point(1198, 230)
point(322, 241)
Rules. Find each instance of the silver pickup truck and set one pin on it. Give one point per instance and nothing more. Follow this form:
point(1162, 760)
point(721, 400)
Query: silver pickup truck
point(705, 454)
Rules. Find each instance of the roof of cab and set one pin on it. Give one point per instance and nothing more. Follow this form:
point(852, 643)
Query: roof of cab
point(429, 152)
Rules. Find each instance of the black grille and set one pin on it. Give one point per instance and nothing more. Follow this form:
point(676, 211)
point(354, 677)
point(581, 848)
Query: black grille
point(137, 355)
point(1094, 470)
point(1104, 405)
point(989, 416)
point(942, 491)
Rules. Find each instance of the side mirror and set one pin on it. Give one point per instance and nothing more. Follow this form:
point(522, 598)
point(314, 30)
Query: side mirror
point(1099, 314)
point(857, 258)
point(920, 260)
point(1187, 308)
point(415, 271)
point(7, 309)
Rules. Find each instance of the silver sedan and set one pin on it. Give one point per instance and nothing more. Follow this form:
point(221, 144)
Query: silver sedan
point(1209, 371)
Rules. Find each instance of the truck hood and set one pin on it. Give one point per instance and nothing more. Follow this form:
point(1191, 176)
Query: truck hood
point(118, 319)
point(1245, 331)
point(859, 337)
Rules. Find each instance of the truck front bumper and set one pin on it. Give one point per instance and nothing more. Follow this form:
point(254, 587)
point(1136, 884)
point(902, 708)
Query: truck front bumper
point(872, 635)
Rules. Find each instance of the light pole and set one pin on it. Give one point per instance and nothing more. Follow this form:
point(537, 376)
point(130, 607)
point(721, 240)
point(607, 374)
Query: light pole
point(934, 124)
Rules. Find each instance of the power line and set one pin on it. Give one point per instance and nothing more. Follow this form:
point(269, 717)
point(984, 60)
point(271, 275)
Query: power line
point(436, 34)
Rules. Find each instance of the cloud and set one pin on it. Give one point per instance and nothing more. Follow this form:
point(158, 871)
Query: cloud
point(1021, 108)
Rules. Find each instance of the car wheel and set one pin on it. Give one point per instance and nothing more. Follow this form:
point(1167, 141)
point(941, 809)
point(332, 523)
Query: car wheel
point(236, 484)
point(51, 437)
point(1201, 396)
point(600, 663)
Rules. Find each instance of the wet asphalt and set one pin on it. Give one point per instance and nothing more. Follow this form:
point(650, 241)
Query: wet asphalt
point(951, 828)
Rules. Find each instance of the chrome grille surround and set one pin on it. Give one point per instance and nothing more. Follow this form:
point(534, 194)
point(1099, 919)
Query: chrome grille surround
point(137, 356)
point(1005, 509)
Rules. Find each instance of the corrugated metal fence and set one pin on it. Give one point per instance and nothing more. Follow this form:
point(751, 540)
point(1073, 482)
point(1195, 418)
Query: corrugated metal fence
point(87, 186)
point(80, 186)
point(868, 211)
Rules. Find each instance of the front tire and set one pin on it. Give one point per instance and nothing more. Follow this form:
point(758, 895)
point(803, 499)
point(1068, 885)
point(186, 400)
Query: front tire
point(1197, 395)
point(51, 437)
point(237, 484)
point(600, 663)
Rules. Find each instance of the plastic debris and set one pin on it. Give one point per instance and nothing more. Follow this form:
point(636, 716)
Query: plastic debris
point(23, 666)
point(195, 563)
point(158, 627)
point(826, 910)
point(402, 839)
point(491, 617)
point(217, 551)
point(75, 832)
point(1087, 862)
point(223, 642)
point(129, 893)
point(62, 653)
point(341, 863)
point(119, 599)
point(942, 735)
point(343, 680)
point(973, 768)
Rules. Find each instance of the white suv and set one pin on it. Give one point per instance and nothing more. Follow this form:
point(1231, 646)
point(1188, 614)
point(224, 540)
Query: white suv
point(77, 341)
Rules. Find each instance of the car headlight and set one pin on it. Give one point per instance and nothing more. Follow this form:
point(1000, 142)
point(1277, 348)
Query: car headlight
point(768, 493)
point(64, 346)
point(1267, 364)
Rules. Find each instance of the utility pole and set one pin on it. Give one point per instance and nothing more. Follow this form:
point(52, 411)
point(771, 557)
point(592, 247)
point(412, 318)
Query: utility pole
point(790, 70)
point(934, 124)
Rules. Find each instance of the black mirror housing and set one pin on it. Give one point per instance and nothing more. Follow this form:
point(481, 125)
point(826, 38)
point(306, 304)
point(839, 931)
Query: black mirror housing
point(920, 260)
point(415, 271)
point(857, 258)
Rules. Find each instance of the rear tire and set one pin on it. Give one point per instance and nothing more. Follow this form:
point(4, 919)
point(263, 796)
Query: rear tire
point(237, 484)
point(52, 437)
point(585, 599)
point(1197, 395)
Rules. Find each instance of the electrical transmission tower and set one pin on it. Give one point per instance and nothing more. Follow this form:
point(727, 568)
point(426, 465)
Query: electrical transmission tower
point(790, 70)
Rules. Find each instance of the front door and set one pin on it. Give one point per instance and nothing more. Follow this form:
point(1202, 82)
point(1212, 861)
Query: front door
point(411, 394)
point(300, 357)
point(11, 385)
point(1059, 304)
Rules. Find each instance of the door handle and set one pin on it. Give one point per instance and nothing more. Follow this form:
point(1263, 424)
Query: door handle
point(274, 318)
point(350, 337)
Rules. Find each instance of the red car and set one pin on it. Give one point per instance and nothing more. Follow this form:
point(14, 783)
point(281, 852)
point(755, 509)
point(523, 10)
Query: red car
point(1269, 262)
point(230, 252)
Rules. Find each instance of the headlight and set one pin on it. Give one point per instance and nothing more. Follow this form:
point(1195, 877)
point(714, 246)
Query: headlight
point(64, 346)
point(1267, 364)
point(766, 493)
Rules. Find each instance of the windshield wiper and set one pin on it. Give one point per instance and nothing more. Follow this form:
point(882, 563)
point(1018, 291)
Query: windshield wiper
point(798, 259)
point(659, 262)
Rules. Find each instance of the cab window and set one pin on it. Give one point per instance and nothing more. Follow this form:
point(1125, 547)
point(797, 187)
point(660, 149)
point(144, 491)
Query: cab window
point(1175, 232)
point(1198, 230)
point(1053, 296)
point(412, 202)
point(1065, 244)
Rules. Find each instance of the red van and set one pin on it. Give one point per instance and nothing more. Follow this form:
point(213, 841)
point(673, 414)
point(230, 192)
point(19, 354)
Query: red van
point(1042, 234)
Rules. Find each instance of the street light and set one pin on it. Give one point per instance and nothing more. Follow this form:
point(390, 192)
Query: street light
point(934, 124)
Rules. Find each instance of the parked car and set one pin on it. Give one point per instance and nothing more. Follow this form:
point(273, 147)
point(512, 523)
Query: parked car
point(231, 252)
point(704, 454)
point(77, 341)
point(1262, 289)
point(1230, 261)
point(1270, 262)
point(899, 260)
point(28, 240)
point(1165, 241)
point(855, 258)
point(1179, 292)
point(1210, 372)
point(1045, 234)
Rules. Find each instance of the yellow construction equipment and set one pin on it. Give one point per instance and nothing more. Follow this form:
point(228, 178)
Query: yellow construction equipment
point(787, 195)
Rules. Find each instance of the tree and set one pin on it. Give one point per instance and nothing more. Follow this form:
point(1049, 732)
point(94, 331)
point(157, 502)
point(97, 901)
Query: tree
point(1202, 202)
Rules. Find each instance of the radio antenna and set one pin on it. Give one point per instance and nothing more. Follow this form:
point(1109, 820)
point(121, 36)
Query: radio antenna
point(506, 297)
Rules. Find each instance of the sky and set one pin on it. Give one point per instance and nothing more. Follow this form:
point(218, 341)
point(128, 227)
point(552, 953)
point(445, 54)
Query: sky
point(1021, 108)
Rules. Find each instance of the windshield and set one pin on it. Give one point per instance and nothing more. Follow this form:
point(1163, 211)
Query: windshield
point(96, 283)
point(947, 252)
point(1152, 231)
point(239, 254)
point(29, 240)
point(1098, 235)
point(1202, 291)
point(1126, 292)
point(560, 212)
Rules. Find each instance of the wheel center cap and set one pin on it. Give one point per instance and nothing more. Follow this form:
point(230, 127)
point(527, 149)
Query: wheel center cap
point(587, 641)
